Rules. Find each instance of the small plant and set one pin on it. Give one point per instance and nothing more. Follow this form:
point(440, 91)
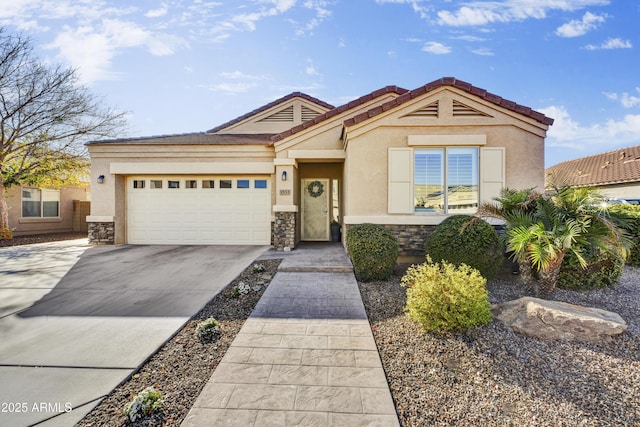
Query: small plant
point(373, 251)
point(464, 239)
point(443, 297)
point(258, 268)
point(629, 216)
point(208, 330)
point(144, 404)
point(240, 289)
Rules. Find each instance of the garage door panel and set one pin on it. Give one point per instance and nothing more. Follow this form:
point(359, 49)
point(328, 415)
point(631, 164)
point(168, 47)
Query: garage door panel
point(198, 215)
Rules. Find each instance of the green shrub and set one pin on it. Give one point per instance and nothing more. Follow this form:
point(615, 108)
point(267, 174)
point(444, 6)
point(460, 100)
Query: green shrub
point(443, 297)
point(373, 251)
point(208, 330)
point(144, 404)
point(603, 269)
point(465, 239)
point(630, 215)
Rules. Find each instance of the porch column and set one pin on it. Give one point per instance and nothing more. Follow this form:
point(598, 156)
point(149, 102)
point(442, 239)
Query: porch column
point(285, 209)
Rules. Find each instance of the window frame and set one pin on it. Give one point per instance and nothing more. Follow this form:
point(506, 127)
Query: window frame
point(444, 172)
point(41, 203)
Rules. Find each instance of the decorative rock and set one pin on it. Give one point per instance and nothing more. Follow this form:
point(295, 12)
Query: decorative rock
point(558, 320)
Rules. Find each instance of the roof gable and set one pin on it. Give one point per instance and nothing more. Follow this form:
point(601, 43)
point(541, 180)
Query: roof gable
point(611, 167)
point(462, 109)
point(276, 116)
point(339, 110)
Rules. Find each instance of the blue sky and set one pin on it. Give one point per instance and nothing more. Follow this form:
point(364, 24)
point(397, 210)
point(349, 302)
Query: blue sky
point(188, 65)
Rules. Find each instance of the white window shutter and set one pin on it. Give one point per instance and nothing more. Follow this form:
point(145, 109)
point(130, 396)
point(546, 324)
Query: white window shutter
point(492, 173)
point(400, 181)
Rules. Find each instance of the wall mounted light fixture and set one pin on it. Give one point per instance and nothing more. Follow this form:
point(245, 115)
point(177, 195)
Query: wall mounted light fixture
point(284, 175)
point(101, 179)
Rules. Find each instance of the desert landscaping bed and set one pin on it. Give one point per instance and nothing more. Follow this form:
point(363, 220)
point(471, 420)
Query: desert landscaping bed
point(491, 376)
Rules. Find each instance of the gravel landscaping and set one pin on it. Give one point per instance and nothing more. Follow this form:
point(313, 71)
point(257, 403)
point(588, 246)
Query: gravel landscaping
point(491, 376)
point(42, 238)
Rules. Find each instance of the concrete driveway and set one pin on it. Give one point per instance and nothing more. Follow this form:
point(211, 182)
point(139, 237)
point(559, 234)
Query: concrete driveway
point(76, 320)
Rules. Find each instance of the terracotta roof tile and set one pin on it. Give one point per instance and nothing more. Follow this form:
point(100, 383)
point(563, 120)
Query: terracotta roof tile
point(613, 167)
point(341, 109)
point(467, 87)
point(269, 105)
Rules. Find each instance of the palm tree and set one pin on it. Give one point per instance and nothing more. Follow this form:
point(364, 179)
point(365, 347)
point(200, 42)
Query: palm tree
point(542, 228)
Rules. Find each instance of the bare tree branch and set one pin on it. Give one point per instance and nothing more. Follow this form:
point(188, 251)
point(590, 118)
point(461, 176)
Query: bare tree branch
point(46, 116)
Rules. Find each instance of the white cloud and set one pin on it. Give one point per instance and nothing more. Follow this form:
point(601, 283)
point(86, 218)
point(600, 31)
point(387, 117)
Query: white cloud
point(611, 43)
point(311, 69)
point(627, 101)
point(159, 12)
point(567, 132)
point(239, 75)
point(483, 51)
point(91, 49)
point(469, 38)
point(487, 12)
point(320, 11)
point(416, 5)
point(575, 28)
point(231, 88)
point(238, 82)
point(436, 48)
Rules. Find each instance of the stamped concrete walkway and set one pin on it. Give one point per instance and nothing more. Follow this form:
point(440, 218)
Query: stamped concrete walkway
point(306, 355)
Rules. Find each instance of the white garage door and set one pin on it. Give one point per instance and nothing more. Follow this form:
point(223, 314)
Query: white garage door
point(205, 210)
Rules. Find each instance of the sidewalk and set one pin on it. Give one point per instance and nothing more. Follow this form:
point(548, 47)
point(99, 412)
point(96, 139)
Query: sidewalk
point(306, 355)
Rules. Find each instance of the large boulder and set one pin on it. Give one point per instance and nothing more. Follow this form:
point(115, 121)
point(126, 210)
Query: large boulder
point(558, 320)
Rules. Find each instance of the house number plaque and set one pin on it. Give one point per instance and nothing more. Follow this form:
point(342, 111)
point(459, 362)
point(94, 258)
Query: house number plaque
point(285, 192)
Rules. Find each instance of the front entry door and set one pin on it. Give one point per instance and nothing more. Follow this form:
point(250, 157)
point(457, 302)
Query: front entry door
point(315, 209)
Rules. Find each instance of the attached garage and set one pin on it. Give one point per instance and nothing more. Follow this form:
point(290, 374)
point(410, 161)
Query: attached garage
point(199, 210)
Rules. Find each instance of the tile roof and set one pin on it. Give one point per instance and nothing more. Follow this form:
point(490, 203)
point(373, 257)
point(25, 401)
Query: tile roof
point(338, 110)
point(613, 167)
point(269, 105)
point(194, 139)
point(451, 81)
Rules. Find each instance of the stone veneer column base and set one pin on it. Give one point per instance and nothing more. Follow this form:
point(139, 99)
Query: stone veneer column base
point(101, 233)
point(284, 230)
point(411, 238)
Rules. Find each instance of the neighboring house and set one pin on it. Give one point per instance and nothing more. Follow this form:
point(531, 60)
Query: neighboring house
point(35, 210)
point(615, 173)
point(281, 173)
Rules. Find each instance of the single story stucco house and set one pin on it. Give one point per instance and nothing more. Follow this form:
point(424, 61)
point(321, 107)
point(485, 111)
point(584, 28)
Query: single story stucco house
point(35, 210)
point(615, 173)
point(280, 174)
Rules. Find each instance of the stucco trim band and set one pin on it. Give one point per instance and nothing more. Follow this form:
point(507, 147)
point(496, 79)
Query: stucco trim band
point(396, 219)
point(446, 140)
point(285, 208)
point(100, 218)
point(317, 154)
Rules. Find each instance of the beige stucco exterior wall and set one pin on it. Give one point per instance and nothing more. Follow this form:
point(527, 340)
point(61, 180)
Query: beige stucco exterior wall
point(629, 191)
point(25, 226)
point(366, 165)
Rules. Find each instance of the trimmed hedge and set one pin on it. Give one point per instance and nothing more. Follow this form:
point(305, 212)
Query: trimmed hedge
point(630, 215)
point(465, 239)
point(444, 297)
point(603, 269)
point(373, 251)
